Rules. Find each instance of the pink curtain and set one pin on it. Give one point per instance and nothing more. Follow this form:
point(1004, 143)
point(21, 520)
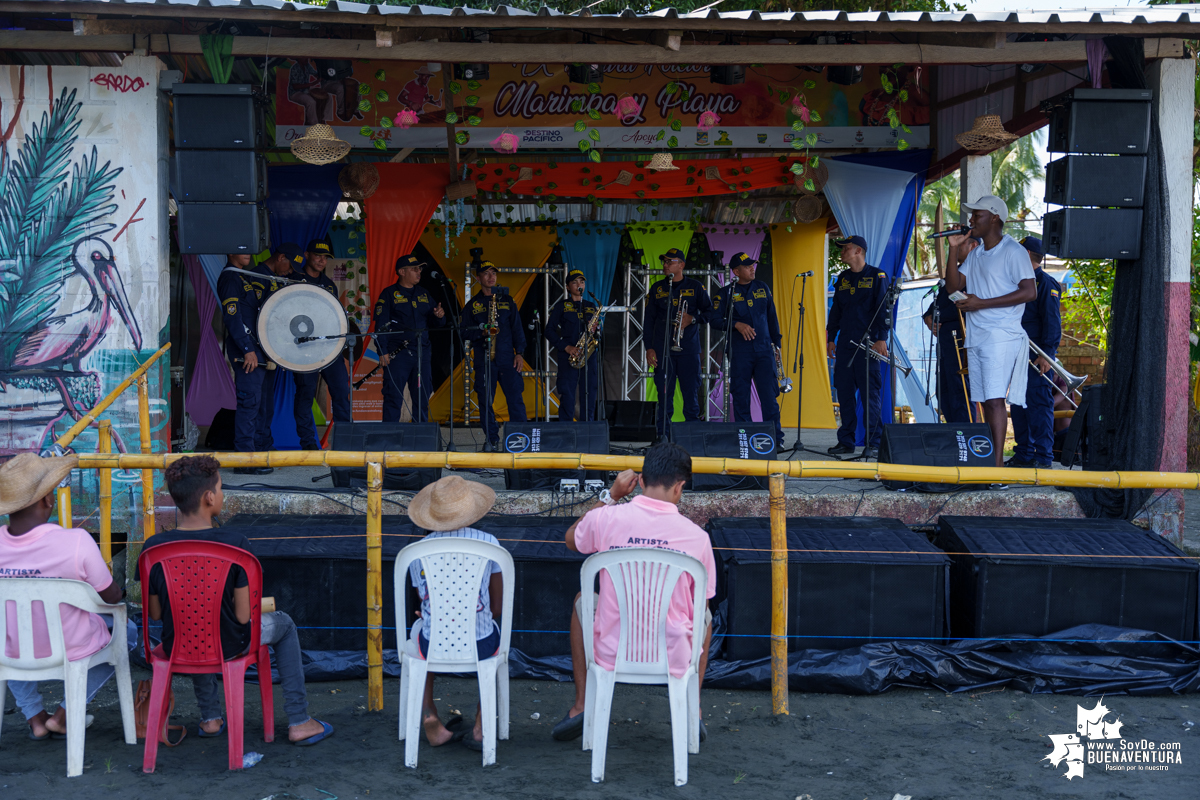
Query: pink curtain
point(211, 386)
point(735, 241)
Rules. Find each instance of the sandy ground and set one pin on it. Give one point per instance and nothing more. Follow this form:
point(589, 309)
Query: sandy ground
point(912, 742)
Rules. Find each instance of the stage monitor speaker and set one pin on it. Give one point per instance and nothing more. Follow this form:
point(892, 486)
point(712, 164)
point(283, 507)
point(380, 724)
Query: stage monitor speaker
point(218, 116)
point(750, 440)
point(219, 176)
point(1105, 181)
point(851, 581)
point(1093, 233)
point(936, 445)
point(221, 228)
point(1033, 577)
point(220, 432)
point(631, 420)
point(1100, 121)
point(553, 437)
point(371, 437)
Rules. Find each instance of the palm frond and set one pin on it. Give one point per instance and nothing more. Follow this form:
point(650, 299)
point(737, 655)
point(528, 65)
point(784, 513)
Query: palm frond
point(75, 211)
point(41, 166)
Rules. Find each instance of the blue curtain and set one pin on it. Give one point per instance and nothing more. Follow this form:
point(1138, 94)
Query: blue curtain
point(593, 248)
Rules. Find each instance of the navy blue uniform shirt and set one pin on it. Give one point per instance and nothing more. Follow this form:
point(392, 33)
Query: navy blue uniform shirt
point(1042, 318)
point(856, 298)
point(321, 280)
point(241, 298)
point(568, 319)
point(753, 305)
point(658, 324)
point(947, 313)
point(511, 338)
point(401, 309)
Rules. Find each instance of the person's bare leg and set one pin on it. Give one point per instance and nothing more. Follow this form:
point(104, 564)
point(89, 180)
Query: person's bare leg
point(996, 417)
point(477, 731)
point(704, 660)
point(37, 724)
point(435, 732)
point(56, 723)
point(578, 662)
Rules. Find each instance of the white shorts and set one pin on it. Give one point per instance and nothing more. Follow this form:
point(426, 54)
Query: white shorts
point(998, 370)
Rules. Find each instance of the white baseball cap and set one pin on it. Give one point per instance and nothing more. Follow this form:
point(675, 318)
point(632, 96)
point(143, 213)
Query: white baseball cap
point(989, 202)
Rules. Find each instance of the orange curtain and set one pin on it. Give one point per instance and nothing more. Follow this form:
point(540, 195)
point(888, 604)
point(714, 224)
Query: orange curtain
point(407, 196)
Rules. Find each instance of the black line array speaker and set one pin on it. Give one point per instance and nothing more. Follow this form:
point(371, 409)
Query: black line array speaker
point(1093, 232)
point(219, 176)
point(936, 445)
point(553, 437)
point(220, 116)
point(750, 440)
point(420, 437)
point(1113, 121)
point(222, 228)
point(1105, 181)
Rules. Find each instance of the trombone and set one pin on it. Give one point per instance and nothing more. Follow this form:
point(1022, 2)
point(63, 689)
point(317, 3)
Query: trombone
point(1073, 381)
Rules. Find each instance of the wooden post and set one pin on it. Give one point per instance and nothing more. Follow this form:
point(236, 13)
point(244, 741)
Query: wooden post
point(106, 495)
point(779, 588)
point(375, 584)
point(148, 526)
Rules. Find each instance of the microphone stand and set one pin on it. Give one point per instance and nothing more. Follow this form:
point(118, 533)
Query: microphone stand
point(451, 309)
point(728, 349)
point(668, 387)
point(798, 367)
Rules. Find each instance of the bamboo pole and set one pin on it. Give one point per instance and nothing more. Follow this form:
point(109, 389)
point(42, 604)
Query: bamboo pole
point(90, 417)
point(62, 497)
point(709, 466)
point(779, 591)
point(375, 585)
point(148, 527)
point(106, 496)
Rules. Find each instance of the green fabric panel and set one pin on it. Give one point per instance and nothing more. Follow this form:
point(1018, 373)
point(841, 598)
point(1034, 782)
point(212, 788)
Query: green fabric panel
point(656, 238)
point(218, 54)
point(318, 415)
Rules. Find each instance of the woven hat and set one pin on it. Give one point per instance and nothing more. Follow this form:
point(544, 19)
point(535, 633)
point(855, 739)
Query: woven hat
point(986, 134)
point(27, 478)
point(820, 176)
point(661, 162)
point(358, 180)
point(451, 503)
point(808, 209)
point(319, 145)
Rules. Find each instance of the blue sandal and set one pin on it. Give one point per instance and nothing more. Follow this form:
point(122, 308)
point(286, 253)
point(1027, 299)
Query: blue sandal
point(316, 737)
point(206, 735)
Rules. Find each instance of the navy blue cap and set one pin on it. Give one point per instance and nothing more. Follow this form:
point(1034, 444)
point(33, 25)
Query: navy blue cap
point(293, 252)
point(858, 240)
point(408, 261)
point(484, 266)
point(741, 260)
point(1032, 244)
point(674, 252)
point(575, 273)
point(321, 246)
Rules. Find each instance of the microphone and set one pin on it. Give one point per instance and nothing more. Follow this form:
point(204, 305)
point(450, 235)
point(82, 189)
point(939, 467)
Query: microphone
point(963, 231)
point(537, 318)
point(435, 275)
point(933, 289)
point(808, 274)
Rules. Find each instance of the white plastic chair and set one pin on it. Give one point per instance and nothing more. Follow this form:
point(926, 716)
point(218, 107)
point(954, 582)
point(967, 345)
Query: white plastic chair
point(24, 592)
point(454, 568)
point(644, 579)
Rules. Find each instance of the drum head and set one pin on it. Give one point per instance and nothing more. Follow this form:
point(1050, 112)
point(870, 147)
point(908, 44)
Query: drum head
point(297, 311)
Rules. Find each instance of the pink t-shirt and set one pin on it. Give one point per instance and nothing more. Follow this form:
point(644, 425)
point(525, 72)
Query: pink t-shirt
point(645, 522)
point(51, 551)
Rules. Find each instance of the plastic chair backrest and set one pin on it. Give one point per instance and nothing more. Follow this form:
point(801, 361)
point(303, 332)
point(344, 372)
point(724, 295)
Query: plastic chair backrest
point(22, 594)
point(454, 567)
point(644, 579)
point(195, 573)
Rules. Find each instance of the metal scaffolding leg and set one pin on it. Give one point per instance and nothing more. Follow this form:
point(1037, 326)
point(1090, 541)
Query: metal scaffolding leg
point(633, 343)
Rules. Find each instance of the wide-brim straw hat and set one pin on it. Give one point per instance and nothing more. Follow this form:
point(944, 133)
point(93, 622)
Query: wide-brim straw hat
point(359, 180)
point(450, 504)
point(27, 478)
point(319, 145)
point(808, 209)
point(661, 162)
point(820, 177)
point(986, 134)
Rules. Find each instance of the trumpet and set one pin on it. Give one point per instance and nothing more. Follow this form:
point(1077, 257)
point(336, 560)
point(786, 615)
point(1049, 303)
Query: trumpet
point(785, 383)
point(677, 340)
point(871, 352)
point(1073, 381)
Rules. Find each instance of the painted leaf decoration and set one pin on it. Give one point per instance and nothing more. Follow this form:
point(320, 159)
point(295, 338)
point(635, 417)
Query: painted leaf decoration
point(365, 131)
point(594, 135)
point(814, 116)
point(577, 106)
point(811, 139)
point(381, 96)
point(584, 145)
point(593, 88)
point(901, 145)
point(364, 105)
point(661, 135)
point(685, 96)
point(672, 87)
point(380, 75)
point(809, 185)
point(386, 122)
point(455, 87)
point(594, 156)
point(364, 89)
point(451, 117)
point(810, 85)
point(676, 125)
point(472, 100)
point(673, 141)
point(474, 85)
point(461, 137)
point(473, 120)
point(580, 126)
point(593, 113)
point(380, 144)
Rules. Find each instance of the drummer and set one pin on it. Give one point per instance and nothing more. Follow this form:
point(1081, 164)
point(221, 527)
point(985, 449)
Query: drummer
point(241, 298)
point(407, 308)
point(284, 261)
point(337, 378)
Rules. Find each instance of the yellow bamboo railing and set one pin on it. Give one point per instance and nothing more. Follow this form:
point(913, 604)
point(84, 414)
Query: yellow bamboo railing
point(779, 604)
point(106, 496)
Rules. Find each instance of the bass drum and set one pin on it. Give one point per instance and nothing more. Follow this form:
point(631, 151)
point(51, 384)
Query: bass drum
point(297, 311)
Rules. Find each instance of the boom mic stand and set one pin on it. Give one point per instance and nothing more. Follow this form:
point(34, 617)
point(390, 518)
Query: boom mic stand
point(452, 311)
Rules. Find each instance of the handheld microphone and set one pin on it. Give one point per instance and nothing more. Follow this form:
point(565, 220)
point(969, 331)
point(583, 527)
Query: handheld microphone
point(808, 274)
point(963, 231)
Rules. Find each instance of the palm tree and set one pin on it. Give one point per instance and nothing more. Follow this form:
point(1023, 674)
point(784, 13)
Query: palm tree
point(1014, 168)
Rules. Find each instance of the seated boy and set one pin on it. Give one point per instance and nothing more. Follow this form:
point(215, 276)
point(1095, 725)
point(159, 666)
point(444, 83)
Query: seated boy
point(32, 547)
point(651, 519)
point(195, 486)
point(447, 508)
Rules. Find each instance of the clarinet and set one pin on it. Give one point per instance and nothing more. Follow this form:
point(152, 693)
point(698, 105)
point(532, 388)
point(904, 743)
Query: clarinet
point(392, 354)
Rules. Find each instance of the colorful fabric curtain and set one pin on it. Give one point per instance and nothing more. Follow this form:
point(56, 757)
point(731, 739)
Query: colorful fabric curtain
point(407, 196)
point(302, 202)
point(210, 387)
point(593, 247)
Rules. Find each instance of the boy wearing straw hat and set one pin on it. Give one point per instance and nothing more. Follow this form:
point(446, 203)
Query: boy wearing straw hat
point(449, 507)
point(33, 547)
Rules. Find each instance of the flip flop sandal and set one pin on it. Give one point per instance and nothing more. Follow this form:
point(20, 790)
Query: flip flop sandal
point(206, 735)
point(471, 743)
point(88, 719)
point(316, 737)
point(41, 738)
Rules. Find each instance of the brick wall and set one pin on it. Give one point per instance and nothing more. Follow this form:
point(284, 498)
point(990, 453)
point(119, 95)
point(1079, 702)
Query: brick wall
point(1082, 359)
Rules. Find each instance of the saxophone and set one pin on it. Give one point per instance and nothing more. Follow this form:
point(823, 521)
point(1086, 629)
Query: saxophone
point(493, 328)
point(588, 342)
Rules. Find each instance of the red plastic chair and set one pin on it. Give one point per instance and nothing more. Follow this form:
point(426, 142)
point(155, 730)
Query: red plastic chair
point(195, 574)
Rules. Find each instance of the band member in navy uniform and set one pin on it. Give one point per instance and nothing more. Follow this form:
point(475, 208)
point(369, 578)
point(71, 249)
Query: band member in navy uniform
point(752, 341)
point(569, 318)
point(858, 294)
point(951, 385)
point(1033, 425)
point(337, 379)
point(405, 306)
point(241, 297)
point(659, 331)
point(510, 343)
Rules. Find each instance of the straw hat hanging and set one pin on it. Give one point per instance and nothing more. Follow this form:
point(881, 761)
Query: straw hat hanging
point(808, 209)
point(319, 145)
point(820, 176)
point(358, 180)
point(661, 162)
point(986, 134)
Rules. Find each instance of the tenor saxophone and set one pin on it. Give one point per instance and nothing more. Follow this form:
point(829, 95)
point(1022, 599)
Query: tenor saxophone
point(493, 329)
point(588, 341)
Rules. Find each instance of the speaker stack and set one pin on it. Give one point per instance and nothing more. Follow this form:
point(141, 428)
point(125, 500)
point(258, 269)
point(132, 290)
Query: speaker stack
point(1102, 179)
point(753, 441)
point(376, 437)
point(553, 437)
point(220, 178)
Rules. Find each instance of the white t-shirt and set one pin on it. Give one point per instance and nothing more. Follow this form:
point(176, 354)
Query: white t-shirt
point(483, 610)
point(995, 273)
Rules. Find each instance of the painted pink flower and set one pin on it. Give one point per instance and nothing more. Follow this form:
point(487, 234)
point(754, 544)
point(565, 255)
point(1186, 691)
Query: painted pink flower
point(406, 118)
point(506, 143)
point(707, 120)
point(628, 110)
